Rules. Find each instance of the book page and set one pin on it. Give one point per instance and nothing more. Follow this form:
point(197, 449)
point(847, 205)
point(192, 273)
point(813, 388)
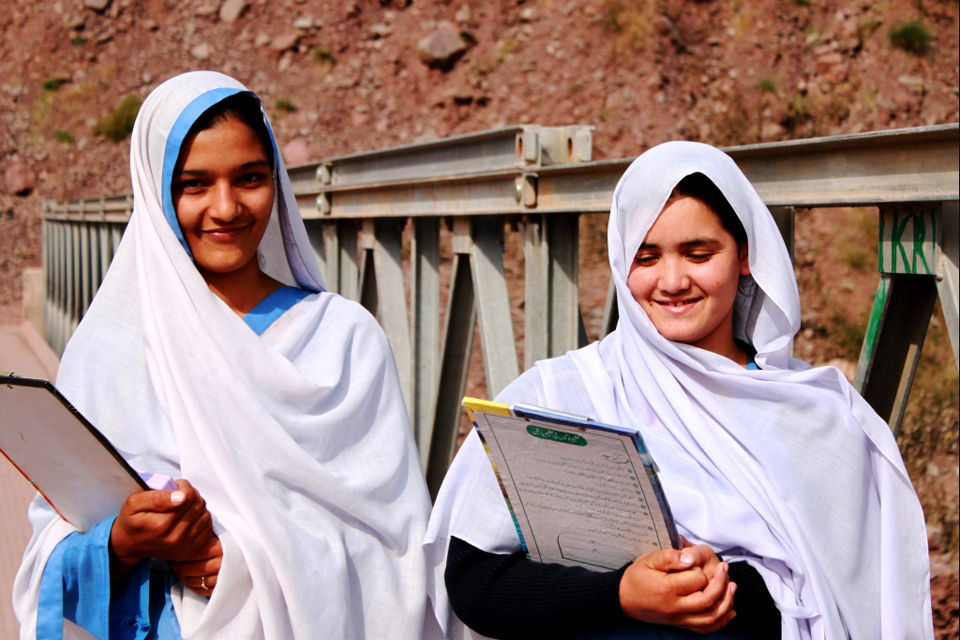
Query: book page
point(578, 496)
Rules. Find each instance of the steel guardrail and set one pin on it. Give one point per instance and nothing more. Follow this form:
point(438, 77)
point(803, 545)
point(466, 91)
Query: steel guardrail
point(540, 180)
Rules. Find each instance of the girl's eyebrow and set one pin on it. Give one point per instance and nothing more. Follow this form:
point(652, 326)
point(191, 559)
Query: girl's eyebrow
point(246, 166)
point(708, 243)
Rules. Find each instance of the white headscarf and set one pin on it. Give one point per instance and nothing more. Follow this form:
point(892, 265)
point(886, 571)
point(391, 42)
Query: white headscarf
point(298, 440)
point(786, 467)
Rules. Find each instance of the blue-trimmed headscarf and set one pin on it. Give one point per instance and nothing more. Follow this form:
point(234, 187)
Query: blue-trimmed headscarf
point(165, 120)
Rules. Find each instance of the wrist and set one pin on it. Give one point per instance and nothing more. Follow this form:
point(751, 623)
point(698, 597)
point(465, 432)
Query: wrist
point(122, 556)
point(626, 594)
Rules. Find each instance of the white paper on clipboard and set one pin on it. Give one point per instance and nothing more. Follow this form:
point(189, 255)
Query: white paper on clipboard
point(68, 461)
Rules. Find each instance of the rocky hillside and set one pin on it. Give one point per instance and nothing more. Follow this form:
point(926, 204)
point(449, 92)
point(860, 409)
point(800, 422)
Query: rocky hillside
point(351, 75)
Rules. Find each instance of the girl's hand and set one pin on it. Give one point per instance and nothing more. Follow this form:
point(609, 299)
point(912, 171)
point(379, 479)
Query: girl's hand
point(170, 525)
point(200, 572)
point(712, 560)
point(688, 588)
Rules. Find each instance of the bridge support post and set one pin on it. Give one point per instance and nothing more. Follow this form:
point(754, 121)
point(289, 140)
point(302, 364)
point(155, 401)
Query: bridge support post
point(425, 321)
point(552, 321)
point(478, 292)
point(909, 262)
point(461, 317)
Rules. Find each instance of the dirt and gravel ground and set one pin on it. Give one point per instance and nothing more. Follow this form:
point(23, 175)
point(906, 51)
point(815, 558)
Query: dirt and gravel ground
point(345, 76)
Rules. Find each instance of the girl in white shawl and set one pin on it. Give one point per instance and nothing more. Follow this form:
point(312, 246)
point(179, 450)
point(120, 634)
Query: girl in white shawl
point(782, 470)
point(212, 353)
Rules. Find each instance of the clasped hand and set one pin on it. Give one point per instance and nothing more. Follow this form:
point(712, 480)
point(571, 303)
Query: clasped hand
point(170, 525)
point(689, 588)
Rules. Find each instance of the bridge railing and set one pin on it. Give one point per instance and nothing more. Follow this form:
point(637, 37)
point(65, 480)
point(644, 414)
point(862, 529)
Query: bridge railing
point(538, 181)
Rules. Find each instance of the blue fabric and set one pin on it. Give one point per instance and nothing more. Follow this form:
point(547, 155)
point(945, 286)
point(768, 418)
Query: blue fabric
point(752, 365)
point(50, 604)
point(272, 307)
point(76, 585)
point(171, 153)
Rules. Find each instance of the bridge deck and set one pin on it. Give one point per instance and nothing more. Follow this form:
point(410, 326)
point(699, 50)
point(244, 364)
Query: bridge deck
point(23, 352)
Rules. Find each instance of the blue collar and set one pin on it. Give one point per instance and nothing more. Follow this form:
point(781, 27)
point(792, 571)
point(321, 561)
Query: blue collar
point(272, 307)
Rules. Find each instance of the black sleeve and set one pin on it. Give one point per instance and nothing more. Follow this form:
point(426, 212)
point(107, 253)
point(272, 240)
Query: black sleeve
point(507, 596)
point(757, 614)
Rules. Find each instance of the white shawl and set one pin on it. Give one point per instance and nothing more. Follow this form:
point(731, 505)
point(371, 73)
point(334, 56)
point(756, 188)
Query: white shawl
point(298, 440)
point(787, 467)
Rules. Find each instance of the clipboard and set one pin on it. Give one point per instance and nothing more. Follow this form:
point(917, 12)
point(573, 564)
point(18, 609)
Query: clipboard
point(68, 461)
point(581, 493)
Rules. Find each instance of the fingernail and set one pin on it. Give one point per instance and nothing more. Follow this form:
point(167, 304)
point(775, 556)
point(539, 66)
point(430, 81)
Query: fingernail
point(733, 588)
point(686, 558)
point(177, 497)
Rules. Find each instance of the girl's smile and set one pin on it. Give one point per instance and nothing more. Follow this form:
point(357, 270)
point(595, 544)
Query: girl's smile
point(677, 307)
point(224, 234)
point(686, 274)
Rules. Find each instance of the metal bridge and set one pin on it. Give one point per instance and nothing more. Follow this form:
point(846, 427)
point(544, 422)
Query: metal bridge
point(537, 181)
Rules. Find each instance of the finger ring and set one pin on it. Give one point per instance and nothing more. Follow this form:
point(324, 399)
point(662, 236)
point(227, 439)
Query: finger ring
point(203, 582)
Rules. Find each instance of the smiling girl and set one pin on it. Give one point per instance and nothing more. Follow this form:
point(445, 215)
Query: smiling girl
point(798, 516)
point(224, 201)
point(212, 353)
point(686, 273)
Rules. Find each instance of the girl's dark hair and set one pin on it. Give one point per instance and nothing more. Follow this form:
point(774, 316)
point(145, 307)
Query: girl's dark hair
point(244, 107)
point(699, 186)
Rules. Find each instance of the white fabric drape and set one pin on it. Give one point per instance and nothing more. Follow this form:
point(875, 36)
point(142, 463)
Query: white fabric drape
point(298, 440)
point(786, 467)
